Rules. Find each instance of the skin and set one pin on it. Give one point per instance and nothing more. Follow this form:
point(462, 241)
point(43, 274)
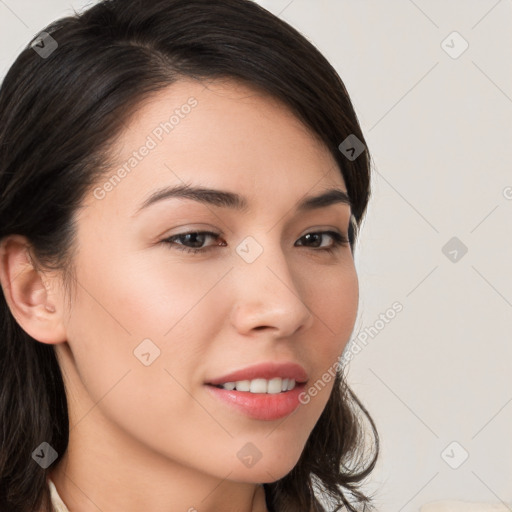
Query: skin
point(152, 437)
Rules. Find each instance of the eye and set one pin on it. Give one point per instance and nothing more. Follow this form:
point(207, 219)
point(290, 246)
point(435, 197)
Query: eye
point(339, 240)
point(197, 238)
point(194, 237)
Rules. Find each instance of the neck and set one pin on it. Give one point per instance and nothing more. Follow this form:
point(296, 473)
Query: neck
point(99, 477)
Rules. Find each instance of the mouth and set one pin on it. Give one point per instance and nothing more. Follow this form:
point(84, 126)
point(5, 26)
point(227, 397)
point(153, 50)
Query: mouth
point(268, 391)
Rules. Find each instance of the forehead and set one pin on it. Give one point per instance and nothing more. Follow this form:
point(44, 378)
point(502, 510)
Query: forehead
point(218, 134)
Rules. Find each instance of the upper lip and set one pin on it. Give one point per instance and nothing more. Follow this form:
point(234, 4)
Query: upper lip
point(270, 370)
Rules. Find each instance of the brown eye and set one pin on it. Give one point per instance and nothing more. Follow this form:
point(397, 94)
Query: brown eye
point(195, 238)
point(338, 239)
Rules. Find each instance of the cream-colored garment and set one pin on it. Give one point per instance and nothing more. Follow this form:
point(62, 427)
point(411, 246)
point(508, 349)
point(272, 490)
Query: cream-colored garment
point(56, 499)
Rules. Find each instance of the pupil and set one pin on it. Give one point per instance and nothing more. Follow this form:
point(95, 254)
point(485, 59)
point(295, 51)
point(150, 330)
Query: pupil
point(311, 235)
point(194, 235)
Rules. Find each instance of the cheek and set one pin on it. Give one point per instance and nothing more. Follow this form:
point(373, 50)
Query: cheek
point(334, 302)
point(131, 299)
point(149, 404)
point(130, 317)
point(162, 294)
point(333, 299)
point(130, 313)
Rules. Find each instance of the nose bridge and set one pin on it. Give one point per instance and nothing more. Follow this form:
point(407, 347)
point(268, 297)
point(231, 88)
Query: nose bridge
point(268, 293)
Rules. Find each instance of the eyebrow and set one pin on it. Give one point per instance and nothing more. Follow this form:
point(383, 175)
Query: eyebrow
point(232, 200)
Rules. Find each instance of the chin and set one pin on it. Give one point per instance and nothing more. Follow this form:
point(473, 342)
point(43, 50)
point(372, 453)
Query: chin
point(265, 472)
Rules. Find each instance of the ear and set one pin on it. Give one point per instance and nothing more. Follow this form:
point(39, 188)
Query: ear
point(29, 292)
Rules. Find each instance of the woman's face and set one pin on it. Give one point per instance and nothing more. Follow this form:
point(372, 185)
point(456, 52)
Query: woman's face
point(153, 325)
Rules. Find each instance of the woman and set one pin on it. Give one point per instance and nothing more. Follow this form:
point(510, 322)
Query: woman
point(181, 184)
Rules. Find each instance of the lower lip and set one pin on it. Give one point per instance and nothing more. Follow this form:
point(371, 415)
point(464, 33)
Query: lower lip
point(260, 406)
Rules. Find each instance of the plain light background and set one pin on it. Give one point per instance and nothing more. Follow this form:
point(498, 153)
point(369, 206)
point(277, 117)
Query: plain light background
point(438, 123)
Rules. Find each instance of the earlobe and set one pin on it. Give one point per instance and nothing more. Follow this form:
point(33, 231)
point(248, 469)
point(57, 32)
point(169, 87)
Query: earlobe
point(27, 291)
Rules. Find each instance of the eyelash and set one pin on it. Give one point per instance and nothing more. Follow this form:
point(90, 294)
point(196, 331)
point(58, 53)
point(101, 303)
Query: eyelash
point(339, 241)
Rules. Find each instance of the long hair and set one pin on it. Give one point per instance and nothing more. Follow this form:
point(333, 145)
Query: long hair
point(63, 103)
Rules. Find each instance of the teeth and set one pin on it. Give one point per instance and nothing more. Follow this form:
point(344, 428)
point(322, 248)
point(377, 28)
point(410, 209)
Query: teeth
point(258, 386)
point(243, 385)
point(272, 386)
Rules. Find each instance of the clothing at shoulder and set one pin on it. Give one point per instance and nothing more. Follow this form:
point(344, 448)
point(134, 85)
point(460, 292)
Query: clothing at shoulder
point(57, 502)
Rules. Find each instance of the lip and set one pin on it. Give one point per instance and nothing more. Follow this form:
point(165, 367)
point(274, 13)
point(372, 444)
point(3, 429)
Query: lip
point(259, 406)
point(267, 370)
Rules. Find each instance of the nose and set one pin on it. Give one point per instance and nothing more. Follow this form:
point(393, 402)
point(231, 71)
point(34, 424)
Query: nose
point(268, 296)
